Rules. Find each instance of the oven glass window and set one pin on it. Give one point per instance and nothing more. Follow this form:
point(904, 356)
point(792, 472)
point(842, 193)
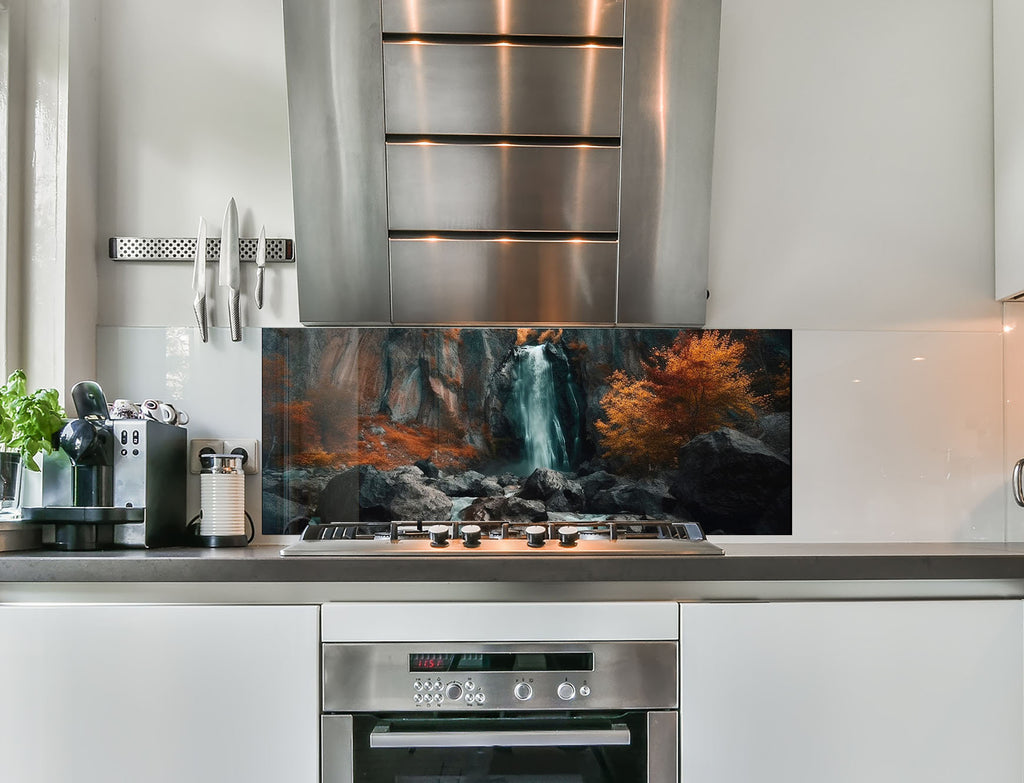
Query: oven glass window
point(533, 757)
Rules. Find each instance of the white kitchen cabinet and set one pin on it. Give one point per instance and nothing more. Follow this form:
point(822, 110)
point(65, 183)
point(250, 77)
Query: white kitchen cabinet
point(1008, 150)
point(850, 692)
point(159, 694)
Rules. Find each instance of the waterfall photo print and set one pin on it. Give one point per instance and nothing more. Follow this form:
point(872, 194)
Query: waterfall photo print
point(386, 424)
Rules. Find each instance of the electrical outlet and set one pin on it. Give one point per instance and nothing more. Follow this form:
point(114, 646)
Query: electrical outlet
point(199, 446)
point(249, 448)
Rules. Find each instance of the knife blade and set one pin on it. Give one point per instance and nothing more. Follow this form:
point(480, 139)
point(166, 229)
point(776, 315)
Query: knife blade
point(229, 274)
point(261, 262)
point(199, 282)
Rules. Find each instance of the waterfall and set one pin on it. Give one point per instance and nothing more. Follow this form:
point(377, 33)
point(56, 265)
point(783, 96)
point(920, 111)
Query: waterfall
point(535, 401)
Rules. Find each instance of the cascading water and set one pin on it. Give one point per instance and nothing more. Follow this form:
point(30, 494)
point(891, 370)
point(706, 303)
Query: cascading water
point(534, 398)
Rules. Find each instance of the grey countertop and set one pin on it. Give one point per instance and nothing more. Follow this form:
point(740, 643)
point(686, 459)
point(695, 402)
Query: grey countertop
point(742, 563)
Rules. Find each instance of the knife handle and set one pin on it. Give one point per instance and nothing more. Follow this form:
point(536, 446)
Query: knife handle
point(258, 294)
point(234, 317)
point(199, 306)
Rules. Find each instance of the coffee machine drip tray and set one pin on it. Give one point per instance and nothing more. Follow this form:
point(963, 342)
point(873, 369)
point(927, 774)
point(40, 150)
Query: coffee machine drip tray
point(91, 515)
point(83, 527)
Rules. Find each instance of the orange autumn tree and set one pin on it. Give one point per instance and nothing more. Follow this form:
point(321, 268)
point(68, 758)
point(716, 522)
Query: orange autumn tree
point(693, 386)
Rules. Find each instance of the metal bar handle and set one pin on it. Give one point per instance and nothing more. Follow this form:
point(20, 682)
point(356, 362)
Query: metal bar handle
point(383, 737)
point(1018, 489)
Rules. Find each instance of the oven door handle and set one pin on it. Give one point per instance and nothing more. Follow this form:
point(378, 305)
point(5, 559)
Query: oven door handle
point(382, 737)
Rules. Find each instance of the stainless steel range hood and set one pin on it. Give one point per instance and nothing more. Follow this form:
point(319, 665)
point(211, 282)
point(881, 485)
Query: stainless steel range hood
point(501, 161)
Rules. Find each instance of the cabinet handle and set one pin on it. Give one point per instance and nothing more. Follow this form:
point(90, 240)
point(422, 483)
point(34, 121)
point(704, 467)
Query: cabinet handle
point(1018, 489)
point(383, 737)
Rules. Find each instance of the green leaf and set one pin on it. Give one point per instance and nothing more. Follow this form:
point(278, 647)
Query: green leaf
point(28, 421)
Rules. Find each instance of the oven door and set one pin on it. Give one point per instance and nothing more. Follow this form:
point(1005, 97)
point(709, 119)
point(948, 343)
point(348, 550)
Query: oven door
point(633, 747)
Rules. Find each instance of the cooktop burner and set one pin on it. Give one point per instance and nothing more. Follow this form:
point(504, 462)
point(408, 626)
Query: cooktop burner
point(605, 537)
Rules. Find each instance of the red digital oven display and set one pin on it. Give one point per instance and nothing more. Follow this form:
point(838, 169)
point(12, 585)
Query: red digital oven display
point(431, 662)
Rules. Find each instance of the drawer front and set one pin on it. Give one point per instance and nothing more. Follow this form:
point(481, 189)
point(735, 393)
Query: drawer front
point(599, 18)
point(502, 89)
point(502, 187)
point(495, 281)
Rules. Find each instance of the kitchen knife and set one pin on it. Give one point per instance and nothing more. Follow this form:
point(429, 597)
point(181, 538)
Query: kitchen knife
point(261, 262)
point(199, 281)
point(229, 275)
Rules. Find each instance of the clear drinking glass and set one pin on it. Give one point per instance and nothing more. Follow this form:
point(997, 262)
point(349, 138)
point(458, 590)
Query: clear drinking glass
point(10, 484)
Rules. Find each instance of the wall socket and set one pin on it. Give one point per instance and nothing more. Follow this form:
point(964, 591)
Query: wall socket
point(249, 449)
point(249, 446)
point(199, 446)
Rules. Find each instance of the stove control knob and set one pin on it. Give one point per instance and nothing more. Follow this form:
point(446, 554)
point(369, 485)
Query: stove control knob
point(471, 535)
point(438, 535)
point(568, 535)
point(453, 691)
point(566, 691)
point(522, 691)
point(535, 535)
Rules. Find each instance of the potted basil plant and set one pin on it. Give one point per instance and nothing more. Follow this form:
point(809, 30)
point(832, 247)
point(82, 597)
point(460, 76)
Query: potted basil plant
point(28, 423)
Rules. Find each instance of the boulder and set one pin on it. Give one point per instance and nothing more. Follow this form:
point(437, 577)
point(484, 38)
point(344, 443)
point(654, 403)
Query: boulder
point(556, 490)
point(650, 498)
point(414, 500)
point(733, 484)
point(775, 430)
point(277, 511)
point(511, 509)
point(365, 494)
point(592, 483)
point(469, 484)
point(430, 470)
point(359, 493)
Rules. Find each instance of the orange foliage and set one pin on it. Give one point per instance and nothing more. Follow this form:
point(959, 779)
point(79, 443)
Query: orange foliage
point(386, 445)
point(525, 335)
point(550, 336)
point(297, 419)
point(693, 386)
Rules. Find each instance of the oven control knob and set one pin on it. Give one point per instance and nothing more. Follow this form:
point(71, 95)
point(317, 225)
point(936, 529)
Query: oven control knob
point(566, 691)
point(471, 535)
point(438, 535)
point(522, 691)
point(453, 691)
point(568, 535)
point(535, 535)
point(584, 690)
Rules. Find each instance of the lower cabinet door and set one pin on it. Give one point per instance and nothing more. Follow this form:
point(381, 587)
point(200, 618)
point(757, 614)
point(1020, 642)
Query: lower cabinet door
point(159, 694)
point(851, 692)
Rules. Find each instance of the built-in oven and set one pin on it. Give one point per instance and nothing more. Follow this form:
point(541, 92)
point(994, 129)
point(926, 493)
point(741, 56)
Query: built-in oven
point(519, 712)
point(500, 692)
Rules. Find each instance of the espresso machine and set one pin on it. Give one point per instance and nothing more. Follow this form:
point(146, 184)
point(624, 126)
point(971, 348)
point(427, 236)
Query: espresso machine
point(112, 482)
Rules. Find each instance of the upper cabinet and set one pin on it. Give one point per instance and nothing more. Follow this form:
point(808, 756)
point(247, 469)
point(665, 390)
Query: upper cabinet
point(1008, 131)
point(468, 161)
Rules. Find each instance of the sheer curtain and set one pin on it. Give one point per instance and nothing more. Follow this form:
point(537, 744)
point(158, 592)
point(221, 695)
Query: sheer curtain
point(8, 322)
point(48, 133)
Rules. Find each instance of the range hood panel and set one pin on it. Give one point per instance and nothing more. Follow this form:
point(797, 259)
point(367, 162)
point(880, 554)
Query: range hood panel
point(582, 131)
point(437, 88)
point(502, 188)
point(496, 282)
point(594, 18)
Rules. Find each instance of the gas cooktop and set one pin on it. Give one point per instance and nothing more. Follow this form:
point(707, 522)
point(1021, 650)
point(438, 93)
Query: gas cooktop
point(605, 537)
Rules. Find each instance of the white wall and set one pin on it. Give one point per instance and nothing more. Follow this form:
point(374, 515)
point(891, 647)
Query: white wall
point(852, 203)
